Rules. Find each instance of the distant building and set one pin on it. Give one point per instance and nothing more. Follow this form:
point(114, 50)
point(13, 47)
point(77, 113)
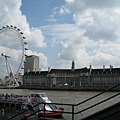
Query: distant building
point(73, 79)
point(105, 78)
point(31, 64)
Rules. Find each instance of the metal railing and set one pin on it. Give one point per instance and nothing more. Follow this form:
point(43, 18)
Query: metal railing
point(73, 113)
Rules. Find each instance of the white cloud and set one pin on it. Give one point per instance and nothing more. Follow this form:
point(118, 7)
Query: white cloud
point(10, 14)
point(101, 18)
point(69, 1)
point(36, 38)
point(99, 23)
point(60, 32)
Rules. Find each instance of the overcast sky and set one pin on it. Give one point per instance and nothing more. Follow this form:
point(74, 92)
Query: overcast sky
point(59, 31)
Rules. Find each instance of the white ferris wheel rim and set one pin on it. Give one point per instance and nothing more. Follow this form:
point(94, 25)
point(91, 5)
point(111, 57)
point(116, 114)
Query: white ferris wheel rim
point(11, 43)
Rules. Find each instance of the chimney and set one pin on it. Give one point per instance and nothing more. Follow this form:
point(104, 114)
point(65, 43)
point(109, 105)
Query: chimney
point(111, 67)
point(103, 67)
point(90, 69)
point(39, 70)
point(48, 69)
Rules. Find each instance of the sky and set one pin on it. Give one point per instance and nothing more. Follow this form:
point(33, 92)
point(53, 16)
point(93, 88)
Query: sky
point(60, 31)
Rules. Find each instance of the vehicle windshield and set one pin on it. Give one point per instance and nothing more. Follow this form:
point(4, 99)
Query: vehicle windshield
point(43, 95)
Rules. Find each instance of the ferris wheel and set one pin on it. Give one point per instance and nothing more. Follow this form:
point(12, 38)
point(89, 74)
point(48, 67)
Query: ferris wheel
point(12, 47)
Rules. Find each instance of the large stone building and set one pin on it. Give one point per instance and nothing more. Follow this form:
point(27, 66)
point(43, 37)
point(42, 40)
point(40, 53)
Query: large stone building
point(57, 78)
point(105, 78)
point(73, 79)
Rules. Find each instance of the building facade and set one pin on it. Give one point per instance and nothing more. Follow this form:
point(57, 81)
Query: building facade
point(73, 79)
point(31, 64)
point(57, 78)
point(79, 79)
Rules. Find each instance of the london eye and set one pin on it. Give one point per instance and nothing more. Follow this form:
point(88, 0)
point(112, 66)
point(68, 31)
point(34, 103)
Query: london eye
point(12, 47)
